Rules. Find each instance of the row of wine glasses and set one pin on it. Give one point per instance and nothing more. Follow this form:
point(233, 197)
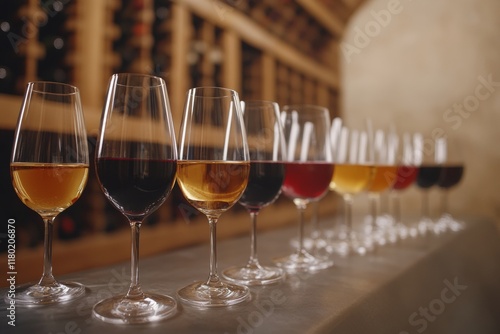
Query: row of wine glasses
point(377, 163)
point(229, 151)
point(137, 164)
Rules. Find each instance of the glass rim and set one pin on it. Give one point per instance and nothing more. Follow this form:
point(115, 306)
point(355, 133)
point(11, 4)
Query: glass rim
point(304, 107)
point(117, 76)
point(260, 102)
point(230, 92)
point(71, 89)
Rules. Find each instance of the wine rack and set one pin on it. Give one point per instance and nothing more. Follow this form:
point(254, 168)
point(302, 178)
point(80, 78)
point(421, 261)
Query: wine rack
point(278, 50)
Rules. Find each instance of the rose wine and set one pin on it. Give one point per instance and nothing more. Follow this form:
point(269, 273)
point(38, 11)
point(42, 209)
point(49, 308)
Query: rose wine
point(383, 178)
point(264, 184)
point(48, 188)
point(212, 186)
point(428, 176)
point(136, 186)
point(450, 176)
point(406, 176)
point(350, 179)
point(307, 180)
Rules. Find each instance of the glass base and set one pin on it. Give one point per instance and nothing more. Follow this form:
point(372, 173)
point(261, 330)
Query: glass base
point(353, 246)
point(402, 231)
point(254, 275)
point(425, 226)
point(125, 310)
point(310, 244)
point(447, 223)
point(360, 243)
point(33, 295)
point(303, 261)
point(200, 294)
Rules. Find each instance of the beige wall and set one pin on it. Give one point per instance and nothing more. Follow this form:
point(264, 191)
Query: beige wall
point(409, 62)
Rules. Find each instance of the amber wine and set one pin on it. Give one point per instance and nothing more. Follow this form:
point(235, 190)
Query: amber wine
point(212, 187)
point(48, 188)
point(383, 178)
point(351, 179)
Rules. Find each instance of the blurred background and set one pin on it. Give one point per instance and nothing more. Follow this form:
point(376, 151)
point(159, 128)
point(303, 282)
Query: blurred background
point(416, 66)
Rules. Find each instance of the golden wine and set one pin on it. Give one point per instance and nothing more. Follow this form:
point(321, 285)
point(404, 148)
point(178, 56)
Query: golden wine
point(212, 187)
point(383, 178)
point(48, 188)
point(351, 179)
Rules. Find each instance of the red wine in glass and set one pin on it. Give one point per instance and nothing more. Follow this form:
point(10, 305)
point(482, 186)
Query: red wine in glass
point(405, 177)
point(307, 180)
point(136, 186)
point(136, 166)
point(450, 176)
point(304, 182)
point(266, 145)
point(264, 184)
point(428, 176)
point(263, 188)
point(309, 170)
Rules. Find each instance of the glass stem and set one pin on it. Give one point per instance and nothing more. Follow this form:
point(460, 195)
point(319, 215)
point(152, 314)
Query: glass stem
point(213, 278)
point(397, 207)
point(301, 208)
point(373, 209)
point(135, 290)
point(348, 215)
point(315, 221)
point(253, 242)
point(47, 276)
point(425, 205)
point(444, 203)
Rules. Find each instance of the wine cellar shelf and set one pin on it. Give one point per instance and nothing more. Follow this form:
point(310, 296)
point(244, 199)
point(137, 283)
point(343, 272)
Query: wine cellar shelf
point(282, 50)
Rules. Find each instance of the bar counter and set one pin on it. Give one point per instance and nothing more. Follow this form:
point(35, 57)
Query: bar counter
point(444, 284)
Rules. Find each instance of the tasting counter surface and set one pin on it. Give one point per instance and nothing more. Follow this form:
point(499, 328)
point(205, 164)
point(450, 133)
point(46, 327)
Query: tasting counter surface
point(444, 284)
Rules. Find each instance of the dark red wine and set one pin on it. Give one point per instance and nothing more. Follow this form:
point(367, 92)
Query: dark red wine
point(428, 176)
point(405, 176)
point(450, 176)
point(136, 187)
point(307, 180)
point(264, 184)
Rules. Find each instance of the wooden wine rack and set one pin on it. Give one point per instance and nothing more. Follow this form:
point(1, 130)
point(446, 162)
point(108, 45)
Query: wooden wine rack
point(279, 50)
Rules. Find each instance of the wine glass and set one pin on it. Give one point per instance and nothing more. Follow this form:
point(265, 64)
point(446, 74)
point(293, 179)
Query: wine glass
point(266, 144)
point(406, 175)
point(384, 167)
point(136, 159)
point(352, 176)
point(49, 169)
point(309, 169)
point(448, 155)
point(429, 171)
point(213, 170)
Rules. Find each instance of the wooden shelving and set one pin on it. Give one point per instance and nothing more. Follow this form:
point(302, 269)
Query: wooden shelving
point(188, 42)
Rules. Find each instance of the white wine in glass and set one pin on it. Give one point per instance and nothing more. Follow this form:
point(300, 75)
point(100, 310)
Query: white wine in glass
point(352, 176)
point(384, 175)
point(213, 170)
point(49, 169)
